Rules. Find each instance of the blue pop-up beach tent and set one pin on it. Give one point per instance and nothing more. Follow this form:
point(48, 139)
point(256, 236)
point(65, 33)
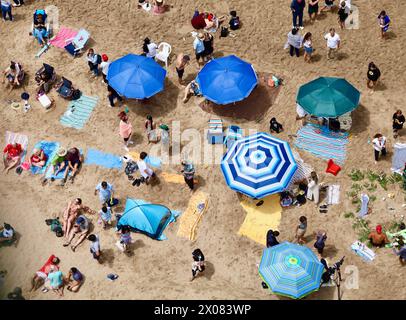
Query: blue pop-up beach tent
point(148, 218)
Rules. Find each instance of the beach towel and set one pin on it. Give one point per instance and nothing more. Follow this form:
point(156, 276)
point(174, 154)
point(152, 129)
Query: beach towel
point(364, 205)
point(363, 251)
point(12, 137)
point(61, 174)
point(302, 172)
point(79, 112)
point(46, 267)
point(322, 143)
point(260, 219)
point(64, 34)
point(102, 159)
point(172, 177)
point(50, 150)
point(150, 160)
point(333, 194)
point(194, 212)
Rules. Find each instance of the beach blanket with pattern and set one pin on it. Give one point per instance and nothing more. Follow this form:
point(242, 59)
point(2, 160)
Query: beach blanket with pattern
point(190, 219)
point(63, 38)
point(323, 143)
point(79, 112)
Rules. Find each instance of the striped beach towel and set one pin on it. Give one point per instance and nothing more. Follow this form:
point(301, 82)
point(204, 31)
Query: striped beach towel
point(50, 149)
point(363, 251)
point(79, 112)
point(322, 143)
point(64, 34)
point(12, 137)
point(302, 172)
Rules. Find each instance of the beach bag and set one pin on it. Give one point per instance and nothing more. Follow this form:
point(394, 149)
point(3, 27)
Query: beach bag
point(131, 167)
point(98, 59)
point(224, 32)
point(235, 23)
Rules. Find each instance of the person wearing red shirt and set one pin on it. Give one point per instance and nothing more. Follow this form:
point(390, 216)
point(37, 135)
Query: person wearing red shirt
point(38, 158)
point(12, 156)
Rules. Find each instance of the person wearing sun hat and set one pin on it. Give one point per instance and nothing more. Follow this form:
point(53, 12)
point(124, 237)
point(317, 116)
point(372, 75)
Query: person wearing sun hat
point(58, 164)
point(105, 67)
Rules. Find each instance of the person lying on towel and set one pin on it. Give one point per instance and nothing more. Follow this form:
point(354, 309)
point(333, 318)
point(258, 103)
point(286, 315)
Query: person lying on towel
point(11, 156)
point(41, 275)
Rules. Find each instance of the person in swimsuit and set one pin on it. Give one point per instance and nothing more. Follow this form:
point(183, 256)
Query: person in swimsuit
point(41, 275)
point(70, 214)
point(301, 230)
point(125, 129)
point(181, 62)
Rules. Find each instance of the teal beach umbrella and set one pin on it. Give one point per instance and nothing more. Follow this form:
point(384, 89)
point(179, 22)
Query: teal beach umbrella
point(291, 270)
point(328, 97)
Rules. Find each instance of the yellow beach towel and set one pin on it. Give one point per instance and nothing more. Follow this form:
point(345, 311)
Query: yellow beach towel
point(189, 220)
point(260, 219)
point(172, 177)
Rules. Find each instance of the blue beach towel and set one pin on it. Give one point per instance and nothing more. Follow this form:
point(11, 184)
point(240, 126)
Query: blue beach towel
point(79, 112)
point(50, 149)
point(106, 160)
point(61, 174)
point(153, 161)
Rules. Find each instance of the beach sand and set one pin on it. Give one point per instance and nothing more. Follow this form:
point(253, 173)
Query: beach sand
point(161, 269)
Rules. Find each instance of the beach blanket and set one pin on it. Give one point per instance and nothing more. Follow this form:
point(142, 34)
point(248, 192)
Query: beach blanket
point(64, 34)
point(22, 139)
point(363, 251)
point(190, 219)
point(172, 177)
point(260, 219)
point(47, 265)
point(102, 159)
point(150, 160)
point(50, 149)
point(322, 143)
point(79, 112)
point(61, 174)
point(333, 194)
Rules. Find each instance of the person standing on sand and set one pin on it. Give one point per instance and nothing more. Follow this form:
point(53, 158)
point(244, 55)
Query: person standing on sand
point(181, 62)
point(313, 188)
point(333, 43)
point(398, 121)
point(384, 23)
point(342, 14)
point(198, 46)
point(294, 42)
point(379, 144)
point(6, 10)
point(105, 67)
point(198, 263)
point(313, 10)
point(95, 247)
point(301, 230)
point(188, 172)
point(297, 7)
point(308, 47)
point(328, 5)
point(125, 129)
point(373, 75)
point(321, 237)
point(112, 94)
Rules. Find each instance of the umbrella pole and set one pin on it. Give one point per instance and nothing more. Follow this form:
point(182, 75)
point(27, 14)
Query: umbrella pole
point(337, 281)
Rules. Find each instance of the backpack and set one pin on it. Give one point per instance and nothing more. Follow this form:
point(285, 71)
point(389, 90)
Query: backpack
point(56, 226)
point(224, 32)
point(98, 58)
point(235, 23)
point(131, 167)
point(76, 94)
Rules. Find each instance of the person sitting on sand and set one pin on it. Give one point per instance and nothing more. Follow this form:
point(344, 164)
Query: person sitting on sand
point(234, 22)
point(125, 239)
point(191, 89)
point(70, 214)
point(213, 22)
point(41, 275)
point(275, 126)
point(13, 74)
point(158, 7)
point(81, 229)
point(74, 160)
point(181, 62)
point(377, 237)
point(271, 239)
point(6, 233)
point(198, 20)
point(58, 164)
point(12, 155)
point(149, 126)
point(74, 279)
point(328, 5)
point(38, 158)
point(40, 31)
point(55, 278)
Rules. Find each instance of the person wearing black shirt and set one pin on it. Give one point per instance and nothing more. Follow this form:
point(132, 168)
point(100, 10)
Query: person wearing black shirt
point(398, 121)
point(373, 75)
point(271, 239)
point(274, 126)
point(112, 94)
point(342, 14)
point(234, 21)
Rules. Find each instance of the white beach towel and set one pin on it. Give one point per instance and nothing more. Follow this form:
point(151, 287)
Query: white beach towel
point(363, 251)
point(333, 194)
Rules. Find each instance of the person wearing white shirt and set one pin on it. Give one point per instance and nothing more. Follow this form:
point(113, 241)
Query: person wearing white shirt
point(145, 171)
point(379, 144)
point(149, 48)
point(333, 42)
point(105, 67)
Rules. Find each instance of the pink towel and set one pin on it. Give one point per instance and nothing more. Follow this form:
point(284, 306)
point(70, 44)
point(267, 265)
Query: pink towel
point(63, 35)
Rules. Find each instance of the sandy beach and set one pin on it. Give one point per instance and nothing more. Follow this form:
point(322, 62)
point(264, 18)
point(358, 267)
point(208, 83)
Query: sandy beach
point(161, 269)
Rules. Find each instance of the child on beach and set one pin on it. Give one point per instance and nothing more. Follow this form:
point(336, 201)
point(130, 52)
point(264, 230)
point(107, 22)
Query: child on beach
point(308, 47)
point(342, 14)
point(198, 263)
point(384, 23)
point(105, 216)
point(125, 239)
point(301, 230)
point(95, 247)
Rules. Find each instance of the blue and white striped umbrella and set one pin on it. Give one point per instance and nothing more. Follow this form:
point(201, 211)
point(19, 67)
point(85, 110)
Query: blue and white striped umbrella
point(291, 270)
point(258, 165)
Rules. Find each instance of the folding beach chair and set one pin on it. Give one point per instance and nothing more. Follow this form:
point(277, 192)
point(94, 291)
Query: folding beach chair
point(78, 43)
point(215, 133)
point(234, 133)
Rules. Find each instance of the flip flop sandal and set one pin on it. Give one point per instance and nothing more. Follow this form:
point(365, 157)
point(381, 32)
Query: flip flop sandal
point(260, 203)
point(112, 276)
point(323, 211)
point(45, 290)
point(73, 248)
point(324, 206)
point(44, 182)
point(66, 244)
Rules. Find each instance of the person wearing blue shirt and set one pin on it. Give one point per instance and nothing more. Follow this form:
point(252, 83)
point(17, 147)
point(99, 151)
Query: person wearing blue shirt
point(198, 45)
point(297, 7)
point(105, 191)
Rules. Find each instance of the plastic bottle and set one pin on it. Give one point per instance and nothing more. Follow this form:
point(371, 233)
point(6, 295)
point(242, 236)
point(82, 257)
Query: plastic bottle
point(369, 140)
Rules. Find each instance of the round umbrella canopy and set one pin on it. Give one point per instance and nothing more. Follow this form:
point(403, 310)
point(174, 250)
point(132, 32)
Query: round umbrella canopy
point(291, 270)
point(258, 165)
point(328, 97)
point(227, 80)
point(136, 77)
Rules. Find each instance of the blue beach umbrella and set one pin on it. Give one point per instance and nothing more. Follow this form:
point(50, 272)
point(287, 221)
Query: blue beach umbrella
point(136, 77)
point(291, 270)
point(227, 80)
point(258, 165)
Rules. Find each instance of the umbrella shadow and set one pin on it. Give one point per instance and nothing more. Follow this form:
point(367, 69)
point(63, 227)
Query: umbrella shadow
point(360, 119)
point(158, 105)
